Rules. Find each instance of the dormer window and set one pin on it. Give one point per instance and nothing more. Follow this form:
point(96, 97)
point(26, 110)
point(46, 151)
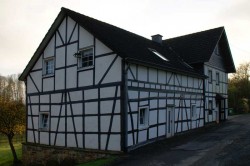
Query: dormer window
point(86, 58)
point(158, 54)
point(217, 50)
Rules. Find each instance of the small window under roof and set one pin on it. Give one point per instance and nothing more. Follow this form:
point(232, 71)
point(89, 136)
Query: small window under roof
point(158, 54)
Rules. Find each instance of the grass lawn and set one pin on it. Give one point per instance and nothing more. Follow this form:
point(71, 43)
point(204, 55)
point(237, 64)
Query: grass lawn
point(6, 157)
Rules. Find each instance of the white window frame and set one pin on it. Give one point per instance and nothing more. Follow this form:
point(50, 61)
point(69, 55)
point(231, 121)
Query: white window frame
point(145, 117)
point(81, 56)
point(217, 78)
point(44, 123)
point(193, 111)
point(46, 64)
point(210, 76)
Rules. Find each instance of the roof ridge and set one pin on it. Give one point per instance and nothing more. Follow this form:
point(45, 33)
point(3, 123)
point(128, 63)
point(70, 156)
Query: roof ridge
point(204, 31)
point(103, 22)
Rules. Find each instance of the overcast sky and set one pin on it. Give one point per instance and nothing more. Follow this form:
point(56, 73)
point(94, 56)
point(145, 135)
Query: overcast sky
point(24, 23)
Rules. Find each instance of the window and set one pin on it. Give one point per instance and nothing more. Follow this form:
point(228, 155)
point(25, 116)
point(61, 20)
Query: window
point(86, 58)
point(217, 78)
point(143, 117)
point(210, 106)
point(44, 120)
point(210, 76)
point(48, 66)
point(217, 51)
point(193, 111)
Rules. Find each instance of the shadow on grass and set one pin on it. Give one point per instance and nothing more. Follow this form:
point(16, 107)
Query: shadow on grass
point(6, 158)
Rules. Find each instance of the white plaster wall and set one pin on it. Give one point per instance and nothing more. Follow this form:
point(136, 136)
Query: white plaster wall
point(37, 79)
point(52, 138)
point(62, 30)
point(71, 77)
point(38, 64)
point(165, 80)
point(133, 94)
point(70, 127)
point(142, 136)
point(85, 39)
point(152, 75)
point(48, 84)
point(132, 71)
point(44, 108)
point(44, 98)
point(34, 110)
point(116, 123)
point(153, 117)
point(91, 141)
point(91, 108)
point(114, 142)
point(61, 126)
point(30, 136)
point(44, 138)
point(71, 140)
point(31, 87)
point(79, 138)
point(143, 73)
point(77, 109)
point(106, 106)
point(60, 140)
point(60, 57)
point(71, 50)
point(75, 95)
point(91, 124)
point(100, 48)
point(152, 132)
point(103, 141)
point(107, 92)
point(101, 66)
point(33, 99)
point(162, 77)
point(70, 28)
point(85, 78)
point(91, 94)
point(49, 50)
point(53, 122)
point(105, 121)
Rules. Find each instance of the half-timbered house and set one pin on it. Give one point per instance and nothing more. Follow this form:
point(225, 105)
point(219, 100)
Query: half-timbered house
point(91, 85)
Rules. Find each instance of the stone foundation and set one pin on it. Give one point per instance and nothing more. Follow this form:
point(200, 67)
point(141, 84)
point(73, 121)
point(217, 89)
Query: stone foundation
point(37, 154)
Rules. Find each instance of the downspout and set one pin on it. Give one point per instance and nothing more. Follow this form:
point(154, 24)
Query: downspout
point(204, 97)
point(204, 101)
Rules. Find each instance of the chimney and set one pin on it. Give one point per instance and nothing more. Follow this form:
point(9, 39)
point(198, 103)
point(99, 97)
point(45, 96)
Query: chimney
point(157, 38)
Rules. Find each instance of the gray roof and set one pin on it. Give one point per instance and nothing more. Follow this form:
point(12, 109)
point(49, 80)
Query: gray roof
point(130, 46)
point(199, 47)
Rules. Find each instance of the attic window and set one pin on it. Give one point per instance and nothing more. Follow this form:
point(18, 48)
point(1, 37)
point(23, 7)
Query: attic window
point(86, 58)
point(158, 54)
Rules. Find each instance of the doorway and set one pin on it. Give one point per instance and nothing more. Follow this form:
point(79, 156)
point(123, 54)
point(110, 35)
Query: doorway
point(170, 121)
